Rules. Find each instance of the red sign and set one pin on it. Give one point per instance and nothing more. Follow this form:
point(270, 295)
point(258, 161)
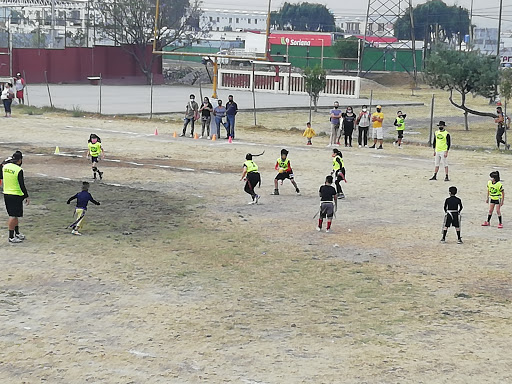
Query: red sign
point(300, 40)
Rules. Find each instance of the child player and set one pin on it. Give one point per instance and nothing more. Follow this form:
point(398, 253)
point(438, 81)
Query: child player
point(400, 126)
point(328, 203)
point(452, 208)
point(496, 194)
point(309, 133)
point(94, 151)
point(284, 167)
point(82, 199)
point(338, 169)
point(251, 176)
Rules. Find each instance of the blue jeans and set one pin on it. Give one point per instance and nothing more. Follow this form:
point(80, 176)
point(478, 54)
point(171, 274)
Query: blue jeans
point(218, 122)
point(230, 125)
point(186, 121)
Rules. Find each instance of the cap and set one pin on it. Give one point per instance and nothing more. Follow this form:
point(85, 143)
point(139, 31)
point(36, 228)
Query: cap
point(18, 74)
point(441, 124)
point(379, 107)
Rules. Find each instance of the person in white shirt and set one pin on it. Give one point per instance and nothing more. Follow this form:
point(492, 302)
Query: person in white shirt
point(7, 97)
point(19, 84)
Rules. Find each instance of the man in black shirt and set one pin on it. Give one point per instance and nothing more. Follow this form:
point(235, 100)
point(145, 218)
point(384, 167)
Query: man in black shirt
point(452, 208)
point(328, 203)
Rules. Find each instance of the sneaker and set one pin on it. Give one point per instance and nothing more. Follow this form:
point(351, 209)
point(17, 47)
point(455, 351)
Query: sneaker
point(182, 134)
point(394, 143)
point(256, 199)
point(341, 196)
point(446, 178)
point(338, 143)
point(75, 232)
point(485, 224)
point(251, 202)
point(508, 146)
point(318, 229)
point(380, 147)
point(433, 178)
point(208, 138)
point(201, 136)
point(443, 241)
point(297, 191)
point(191, 135)
point(15, 240)
point(372, 147)
point(500, 225)
point(460, 241)
point(400, 147)
point(360, 146)
point(20, 236)
point(366, 146)
point(101, 175)
point(275, 193)
point(327, 230)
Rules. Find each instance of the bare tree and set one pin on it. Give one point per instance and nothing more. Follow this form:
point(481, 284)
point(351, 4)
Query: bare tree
point(131, 25)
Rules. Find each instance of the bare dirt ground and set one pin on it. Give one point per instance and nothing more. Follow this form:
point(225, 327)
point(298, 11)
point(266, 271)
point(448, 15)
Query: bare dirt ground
point(177, 280)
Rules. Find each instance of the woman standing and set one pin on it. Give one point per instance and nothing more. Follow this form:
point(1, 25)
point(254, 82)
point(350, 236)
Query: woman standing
point(349, 120)
point(7, 96)
point(206, 117)
point(219, 112)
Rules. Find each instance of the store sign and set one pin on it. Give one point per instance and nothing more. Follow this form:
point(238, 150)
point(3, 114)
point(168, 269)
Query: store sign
point(300, 40)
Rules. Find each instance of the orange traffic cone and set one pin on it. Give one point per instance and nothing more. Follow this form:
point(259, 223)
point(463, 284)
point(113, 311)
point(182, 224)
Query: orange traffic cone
point(214, 137)
point(156, 132)
point(196, 136)
point(174, 134)
point(230, 140)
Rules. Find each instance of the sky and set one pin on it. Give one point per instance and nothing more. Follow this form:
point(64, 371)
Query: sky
point(485, 12)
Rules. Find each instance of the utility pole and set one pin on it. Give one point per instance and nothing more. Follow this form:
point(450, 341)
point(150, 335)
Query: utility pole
point(499, 31)
point(471, 24)
point(267, 32)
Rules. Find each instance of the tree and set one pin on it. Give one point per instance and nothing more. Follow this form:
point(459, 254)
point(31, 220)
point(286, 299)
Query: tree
point(506, 90)
point(304, 17)
point(347, 48)
point(434, 18)
point(465, 73)
point(314, 80)
point(131, 24)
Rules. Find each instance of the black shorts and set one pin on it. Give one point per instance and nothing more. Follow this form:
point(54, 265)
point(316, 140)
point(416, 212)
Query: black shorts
point(94, 159)
point(326, 210)
point(452, 218)
point(400, 134)
point(492, 201)
point(284, 176)
point(14, 205)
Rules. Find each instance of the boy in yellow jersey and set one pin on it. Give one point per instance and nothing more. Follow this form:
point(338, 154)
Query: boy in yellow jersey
point(378, 133)
point(309, 133)
point(251, 177)
point(82, 199)
point(400, 127)
point(441, 145)
point(95, 151)
point(15, 193)
point(338, 169)
point(284, 167)
point(496, 195)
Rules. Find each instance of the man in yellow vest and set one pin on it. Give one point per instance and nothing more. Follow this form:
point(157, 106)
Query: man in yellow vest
point(441, 145)
point(14, 193)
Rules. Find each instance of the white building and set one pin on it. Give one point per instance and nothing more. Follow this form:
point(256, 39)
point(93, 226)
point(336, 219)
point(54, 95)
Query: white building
point(231, 20)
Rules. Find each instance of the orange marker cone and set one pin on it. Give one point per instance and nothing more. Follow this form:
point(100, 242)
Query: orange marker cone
point(174, 134)
point(196, 136)
point(230, 140)
point(214, 137)
point(156, 132)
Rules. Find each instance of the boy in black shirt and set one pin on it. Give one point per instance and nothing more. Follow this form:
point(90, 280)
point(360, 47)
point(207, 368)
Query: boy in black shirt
point(328, 203)
point(452, 208)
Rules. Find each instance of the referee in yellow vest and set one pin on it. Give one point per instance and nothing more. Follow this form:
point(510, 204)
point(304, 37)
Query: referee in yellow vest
point(441, 145)
point(14, 193)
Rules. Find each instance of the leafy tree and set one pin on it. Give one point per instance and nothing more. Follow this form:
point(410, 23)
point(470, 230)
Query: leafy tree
point(304, 17)
point(315, 80)
point(347, 48)
point(131, 23)
point(465, 73)
point(449, 20)
point(506, 88)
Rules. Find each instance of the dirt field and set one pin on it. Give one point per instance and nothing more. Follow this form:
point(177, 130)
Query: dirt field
point(177, 280)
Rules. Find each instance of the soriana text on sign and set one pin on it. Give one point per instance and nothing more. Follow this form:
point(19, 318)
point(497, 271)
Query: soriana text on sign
point(300, 40)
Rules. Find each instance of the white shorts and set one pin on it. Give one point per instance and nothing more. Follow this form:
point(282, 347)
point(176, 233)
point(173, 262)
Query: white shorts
point(439, 158)
point(378, 133)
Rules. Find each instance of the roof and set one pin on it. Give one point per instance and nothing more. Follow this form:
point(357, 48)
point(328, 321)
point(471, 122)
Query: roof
point(378, 39)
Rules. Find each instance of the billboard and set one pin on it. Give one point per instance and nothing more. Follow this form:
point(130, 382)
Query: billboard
point(301, 39)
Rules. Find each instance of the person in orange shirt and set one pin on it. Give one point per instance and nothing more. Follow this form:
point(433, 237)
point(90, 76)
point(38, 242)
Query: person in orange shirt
point(378, 133)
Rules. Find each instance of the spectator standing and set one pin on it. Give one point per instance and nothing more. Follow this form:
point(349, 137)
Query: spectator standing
point(334, 117)
point(20, 87)
point(231, 111)
point(378, 133)
point(349, 121)
point(363, 124)
point(206, 117)
point(500, 129)
point(191, 115)
point(7, 97)
point(220, 113)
